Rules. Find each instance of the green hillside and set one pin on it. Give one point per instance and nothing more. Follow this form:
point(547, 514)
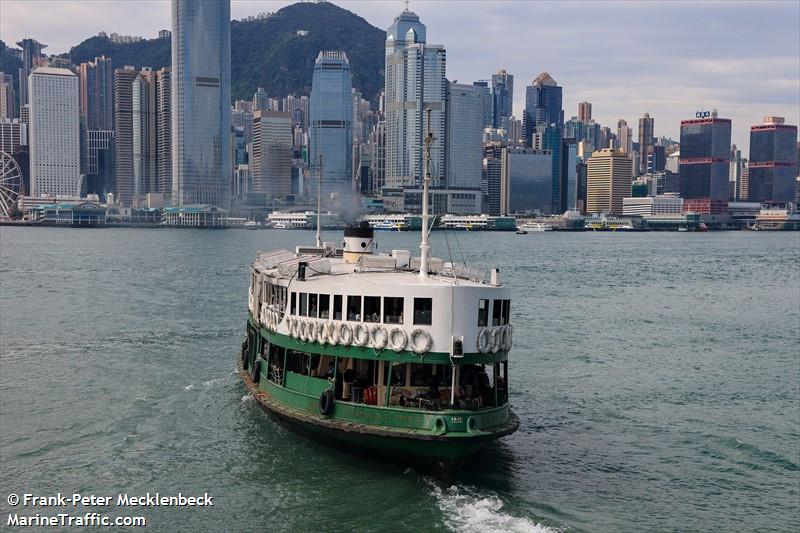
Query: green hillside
point(269, 53)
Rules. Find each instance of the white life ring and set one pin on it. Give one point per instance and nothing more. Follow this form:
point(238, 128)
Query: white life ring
point(290, 325)
point(311, 330)
point(421, 341)
point(322, 333)
point(360, 334)
point(482, 342)
point(301, 330)
point(398, 338)
point(332, 333)
point(494, 339)
point(345, 334)
point(503, 338)
point(379, 336)
point(262, 317)
point(510, 336)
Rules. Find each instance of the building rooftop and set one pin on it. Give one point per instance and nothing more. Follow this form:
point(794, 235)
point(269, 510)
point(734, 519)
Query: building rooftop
point(52, 71)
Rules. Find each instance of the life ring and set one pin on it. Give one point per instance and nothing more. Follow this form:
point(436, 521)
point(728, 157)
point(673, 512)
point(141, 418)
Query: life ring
point(345, 334)
point(290, 326)
point(494, 341)
point(398, 338)
point(322, 333)
point(360, 334)
point(483, 340)
point(379, 337)
point(332, 333)
point(262, 318)
point(311, 331)
point(301, 330)
point(421, 341)
point(326, 401)
point(510, 336)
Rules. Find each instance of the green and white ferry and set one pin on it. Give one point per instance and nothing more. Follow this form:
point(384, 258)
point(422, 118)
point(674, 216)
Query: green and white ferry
point(396, 357)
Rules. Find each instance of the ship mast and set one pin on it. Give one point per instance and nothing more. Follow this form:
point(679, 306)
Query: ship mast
point(319, 202)
point(425, 246)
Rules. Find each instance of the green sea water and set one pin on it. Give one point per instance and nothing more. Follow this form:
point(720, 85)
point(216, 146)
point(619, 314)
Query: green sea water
point(656, 377)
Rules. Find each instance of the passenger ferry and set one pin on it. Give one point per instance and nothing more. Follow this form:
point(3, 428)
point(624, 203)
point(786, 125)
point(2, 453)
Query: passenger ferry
point(536, 227)
point(393, 356)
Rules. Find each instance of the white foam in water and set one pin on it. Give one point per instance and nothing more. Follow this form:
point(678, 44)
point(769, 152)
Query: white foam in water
point(468, 513)
point(246, 398)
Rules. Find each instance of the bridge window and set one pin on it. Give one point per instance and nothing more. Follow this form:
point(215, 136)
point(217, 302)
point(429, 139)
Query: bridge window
point(483, 313)
point(354, 308)
point(293, 299)
point(392, 310)
point(372, 308)
point(337, 307)
point(324, 305)
point(505, 314)
point(303, 304)
point(423, 311)
point(497, 311)
point(312, 305)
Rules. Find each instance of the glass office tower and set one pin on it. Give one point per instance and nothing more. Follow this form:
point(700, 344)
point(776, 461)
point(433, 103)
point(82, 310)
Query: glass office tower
point(201, 102)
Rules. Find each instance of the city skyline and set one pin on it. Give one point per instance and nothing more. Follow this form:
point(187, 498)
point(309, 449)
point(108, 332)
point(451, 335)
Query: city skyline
point(633, 66)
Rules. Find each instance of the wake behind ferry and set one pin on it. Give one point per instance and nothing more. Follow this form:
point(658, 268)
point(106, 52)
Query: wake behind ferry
point(393, 356)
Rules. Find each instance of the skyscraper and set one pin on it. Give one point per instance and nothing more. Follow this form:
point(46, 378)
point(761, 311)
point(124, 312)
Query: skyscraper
point(646, 140)
point(705, 160)
point(465, 122)
point(624, 137)
point(143, 99)
point(54, 132)
point(7, 96)
point(164, 130)
point(415, 80)
point(201, 99)
point(260, 100)
point(542, 105)
point(503, 99)
point(271, 161)
point(526, 181)
point(96, 80)
point(331, 127)
point(487, 107)
point(31, 53)
point(584, 111)
point(773, 161)
point(608, 181)
point(124, 186)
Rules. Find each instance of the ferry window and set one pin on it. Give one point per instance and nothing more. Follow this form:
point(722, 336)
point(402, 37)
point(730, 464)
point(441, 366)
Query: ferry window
point(303, 304)
point(324, 305)
point(422, 376)
point(505, 315)
point(337, 307)
point(392, 310)
point(294, 303)
point(372, 308)
point(423, 309)
point(497, 306)
point(312, 305)
point(398, 374)
point(483, 313)
point(354, 308)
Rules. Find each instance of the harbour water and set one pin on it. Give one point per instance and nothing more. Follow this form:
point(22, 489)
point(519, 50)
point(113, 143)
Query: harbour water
point(655, 376)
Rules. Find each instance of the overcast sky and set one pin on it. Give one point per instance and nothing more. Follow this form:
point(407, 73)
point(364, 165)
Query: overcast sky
point(626, 58)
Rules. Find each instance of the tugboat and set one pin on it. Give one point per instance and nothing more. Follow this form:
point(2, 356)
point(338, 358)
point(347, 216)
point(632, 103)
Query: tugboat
point(390, 356)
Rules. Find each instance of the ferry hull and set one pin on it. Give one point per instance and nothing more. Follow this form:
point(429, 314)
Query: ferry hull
point(441, 457)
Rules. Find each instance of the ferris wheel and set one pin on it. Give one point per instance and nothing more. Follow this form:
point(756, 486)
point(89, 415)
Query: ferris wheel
point(10, 184)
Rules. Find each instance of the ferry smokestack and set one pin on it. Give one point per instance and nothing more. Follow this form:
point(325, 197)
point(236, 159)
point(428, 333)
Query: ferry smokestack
point(358, 240)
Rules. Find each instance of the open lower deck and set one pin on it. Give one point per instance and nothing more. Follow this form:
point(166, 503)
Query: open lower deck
point(418, 400)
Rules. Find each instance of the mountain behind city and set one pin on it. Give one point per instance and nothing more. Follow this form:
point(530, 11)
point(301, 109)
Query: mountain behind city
point(276, 52)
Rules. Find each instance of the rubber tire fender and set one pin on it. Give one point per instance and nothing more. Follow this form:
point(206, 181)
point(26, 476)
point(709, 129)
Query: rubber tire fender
point(326, 401)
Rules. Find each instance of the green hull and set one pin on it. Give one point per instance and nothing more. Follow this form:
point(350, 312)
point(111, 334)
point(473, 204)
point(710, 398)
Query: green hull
point(438, 453)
